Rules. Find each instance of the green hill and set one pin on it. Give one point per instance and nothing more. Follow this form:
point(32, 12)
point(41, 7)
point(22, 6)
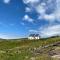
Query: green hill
point(24, 49)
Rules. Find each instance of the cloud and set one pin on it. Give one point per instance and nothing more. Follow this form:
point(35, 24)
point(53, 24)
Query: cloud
point(40, 8)
point(48, 10)
point(50, 31)
point(33, 31)
point(28, 19)
point(50, 17)
point(9, 36)
point(3, 36)
point(6, 1)
point(27, 9)
point(47, 31)
point(57, 11)
point(30, 1)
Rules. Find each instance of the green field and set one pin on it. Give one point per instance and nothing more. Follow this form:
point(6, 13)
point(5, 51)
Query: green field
point(21, 49)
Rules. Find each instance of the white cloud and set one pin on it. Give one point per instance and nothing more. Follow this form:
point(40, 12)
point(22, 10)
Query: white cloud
point(27, 9)
point(57, 11)
point(30, 1)
point(48, 10)
point(28, 19)
point(6, 1)
point(50, 31)
point(47, 31)
point(3, 36)
point(50, 17)
point(9, 36)
point(52, 6)
point(33, 31)
point(40, 9)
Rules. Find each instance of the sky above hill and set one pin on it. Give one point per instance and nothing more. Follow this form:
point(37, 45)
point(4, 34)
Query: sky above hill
point(19, 18)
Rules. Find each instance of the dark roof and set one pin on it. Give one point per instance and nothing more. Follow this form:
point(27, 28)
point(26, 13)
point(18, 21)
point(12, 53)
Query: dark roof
point(34, 35)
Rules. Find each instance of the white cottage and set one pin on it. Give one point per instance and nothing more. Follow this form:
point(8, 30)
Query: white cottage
point(34, 36)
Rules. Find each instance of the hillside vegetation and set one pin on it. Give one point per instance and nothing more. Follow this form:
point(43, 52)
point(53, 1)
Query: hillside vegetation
point(20, 49)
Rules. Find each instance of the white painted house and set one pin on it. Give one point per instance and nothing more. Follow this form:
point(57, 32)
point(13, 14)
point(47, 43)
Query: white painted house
point(34, 36)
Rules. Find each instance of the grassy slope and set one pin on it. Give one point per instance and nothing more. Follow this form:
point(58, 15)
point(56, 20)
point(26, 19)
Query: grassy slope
point(21, 49)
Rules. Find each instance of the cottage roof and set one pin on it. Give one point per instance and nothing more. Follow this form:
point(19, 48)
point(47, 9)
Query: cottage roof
point(37, 35)
point(34, 35)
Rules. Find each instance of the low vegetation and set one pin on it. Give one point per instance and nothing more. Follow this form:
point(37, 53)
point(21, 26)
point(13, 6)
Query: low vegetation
point(24, 49)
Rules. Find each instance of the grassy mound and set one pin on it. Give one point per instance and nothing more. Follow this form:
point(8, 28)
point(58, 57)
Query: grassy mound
point(25, 49)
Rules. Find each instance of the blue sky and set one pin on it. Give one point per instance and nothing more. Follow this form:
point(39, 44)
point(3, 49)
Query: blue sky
point(19, 18)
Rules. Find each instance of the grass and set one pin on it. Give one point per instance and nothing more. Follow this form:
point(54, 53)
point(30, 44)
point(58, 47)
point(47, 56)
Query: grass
point(22, 49)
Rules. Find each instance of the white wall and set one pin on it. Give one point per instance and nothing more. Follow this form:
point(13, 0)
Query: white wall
point(31, 38)
point(37, 37)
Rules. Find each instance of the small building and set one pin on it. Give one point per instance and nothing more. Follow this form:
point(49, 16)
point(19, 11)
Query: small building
point(34, 36)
